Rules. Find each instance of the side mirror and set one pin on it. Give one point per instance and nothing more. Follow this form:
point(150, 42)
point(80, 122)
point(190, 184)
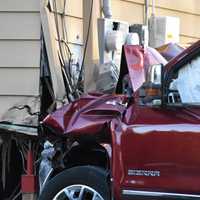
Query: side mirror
point(153, 85)
point(155, 74)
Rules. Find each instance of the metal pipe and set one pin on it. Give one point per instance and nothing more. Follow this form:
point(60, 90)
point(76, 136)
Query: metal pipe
point(146, 12)
point(106, 7)
point(30, 163)
point(153, 7)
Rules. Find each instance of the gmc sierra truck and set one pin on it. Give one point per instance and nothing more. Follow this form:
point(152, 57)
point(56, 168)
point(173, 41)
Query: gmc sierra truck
point(141, 143)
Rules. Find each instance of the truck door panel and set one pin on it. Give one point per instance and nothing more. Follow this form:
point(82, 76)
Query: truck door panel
point(161, 150)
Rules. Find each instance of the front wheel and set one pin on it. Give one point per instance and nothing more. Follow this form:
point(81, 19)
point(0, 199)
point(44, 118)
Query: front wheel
point(78, 183)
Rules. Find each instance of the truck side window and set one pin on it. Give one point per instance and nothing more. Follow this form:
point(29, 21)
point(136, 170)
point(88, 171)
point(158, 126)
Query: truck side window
point(185, 87)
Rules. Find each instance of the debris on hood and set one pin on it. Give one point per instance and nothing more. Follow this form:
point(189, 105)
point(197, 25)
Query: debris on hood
point(169, 51)
point(153, 57)
point(107, 76)
point(135, 62)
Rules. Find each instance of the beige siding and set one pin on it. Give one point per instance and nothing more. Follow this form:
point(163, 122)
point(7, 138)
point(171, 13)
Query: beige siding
point(73, 18)
point(188, 12)
point(19, 81)
point(74, 30)
point(189, 6)
point(20, 5)
point(20, 45)
point(183, 6)
point(188, 22)
point(20, 25)
point(127, 11)
point(74, 22)
point(19, 52)
point(75, 8)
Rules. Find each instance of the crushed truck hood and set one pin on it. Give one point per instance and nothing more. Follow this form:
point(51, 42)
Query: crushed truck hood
point(88, 115)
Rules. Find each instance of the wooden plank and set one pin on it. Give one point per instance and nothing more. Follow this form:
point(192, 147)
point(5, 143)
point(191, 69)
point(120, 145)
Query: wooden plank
point(19, 53)
point(20, 26)
point(19, 81)
point(127, 11)
point(91, 53)
point(48, 26)
point(19, 5)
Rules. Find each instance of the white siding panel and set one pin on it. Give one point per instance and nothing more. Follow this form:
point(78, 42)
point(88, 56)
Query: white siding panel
point(19, 53)
point(20, 5)
point(19, 81)
point(20, 26)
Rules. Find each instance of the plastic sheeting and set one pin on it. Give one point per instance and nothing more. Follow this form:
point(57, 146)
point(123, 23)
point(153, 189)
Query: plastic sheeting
point(46, 164)
point(170, 50)
point(188, 82)
point(152, 57)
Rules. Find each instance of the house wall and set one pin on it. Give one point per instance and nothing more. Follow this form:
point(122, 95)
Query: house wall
point(19, 52)
point(21, 30)
point(188, 12)
point(132, 11)
point(74, 21)
point(20, 48)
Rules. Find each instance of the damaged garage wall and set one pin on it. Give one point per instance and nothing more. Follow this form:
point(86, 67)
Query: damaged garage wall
point(23, 22)
point(55, 29)
point(19, 61)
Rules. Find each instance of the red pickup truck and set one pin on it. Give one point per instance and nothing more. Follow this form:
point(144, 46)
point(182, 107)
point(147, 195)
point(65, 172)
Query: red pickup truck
point(139, 145)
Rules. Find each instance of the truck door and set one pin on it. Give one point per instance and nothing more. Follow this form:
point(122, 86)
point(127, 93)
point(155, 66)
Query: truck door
point(161, 152)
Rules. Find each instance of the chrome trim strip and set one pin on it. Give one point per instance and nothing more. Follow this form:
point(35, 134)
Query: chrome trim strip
point(158, 194)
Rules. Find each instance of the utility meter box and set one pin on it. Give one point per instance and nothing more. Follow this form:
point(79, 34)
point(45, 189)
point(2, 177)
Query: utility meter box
point(112, 34)
point(142, 31)
point(163, 30)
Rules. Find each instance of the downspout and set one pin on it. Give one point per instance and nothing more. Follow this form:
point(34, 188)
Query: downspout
point(146, 12)
point(153, 7)
point(106, 8)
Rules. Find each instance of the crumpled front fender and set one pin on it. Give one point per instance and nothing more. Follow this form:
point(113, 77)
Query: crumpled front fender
point(87, 116)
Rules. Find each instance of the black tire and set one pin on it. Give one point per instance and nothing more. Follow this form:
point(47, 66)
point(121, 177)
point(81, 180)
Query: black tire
point(90, 176)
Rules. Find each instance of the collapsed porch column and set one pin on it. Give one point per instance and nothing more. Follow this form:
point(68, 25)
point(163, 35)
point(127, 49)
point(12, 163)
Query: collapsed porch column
point(90, 40)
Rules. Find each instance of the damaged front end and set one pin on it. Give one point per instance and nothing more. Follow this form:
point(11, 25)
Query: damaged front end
point(88, 116)
point(80, 132)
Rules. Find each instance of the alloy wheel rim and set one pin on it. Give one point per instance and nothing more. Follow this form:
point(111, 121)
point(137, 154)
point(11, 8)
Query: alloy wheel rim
point(78, 192)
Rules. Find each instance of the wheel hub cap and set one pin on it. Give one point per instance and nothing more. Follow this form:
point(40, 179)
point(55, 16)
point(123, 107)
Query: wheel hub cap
point(78, 192)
